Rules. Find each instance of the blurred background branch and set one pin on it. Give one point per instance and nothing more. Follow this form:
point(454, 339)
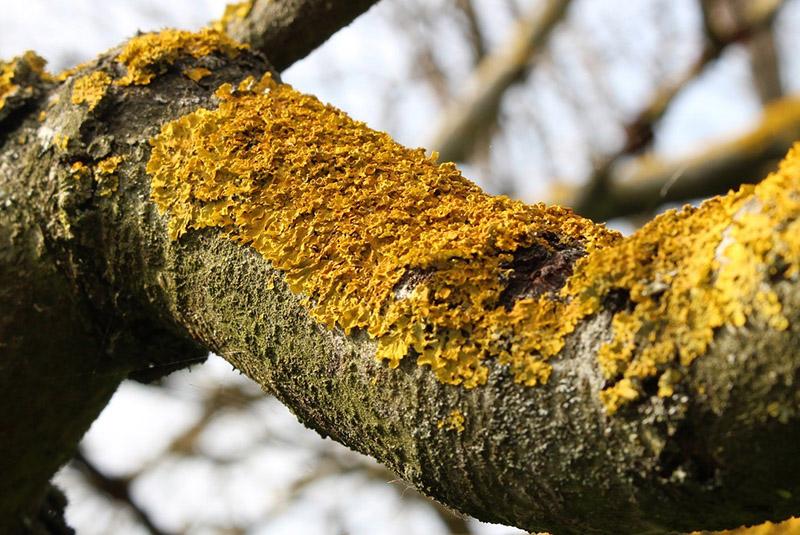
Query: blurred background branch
point(475, 111)
point(597, 199)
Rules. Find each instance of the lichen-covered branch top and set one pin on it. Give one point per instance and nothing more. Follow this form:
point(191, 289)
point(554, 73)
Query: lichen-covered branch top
point(382, 238)
point(515, 361)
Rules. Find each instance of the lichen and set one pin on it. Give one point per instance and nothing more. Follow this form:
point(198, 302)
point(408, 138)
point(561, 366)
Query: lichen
point(66, 73)
point(350, 216)
point(787, 527)
point(453, 422)
point(105, 174)
point(147, 55)
point(689, 272)
point(196, 74)
point(90, 89)
point(13, 81)
point(78, 170)
point(234, 11)
point(61, 142)
point(379, 237)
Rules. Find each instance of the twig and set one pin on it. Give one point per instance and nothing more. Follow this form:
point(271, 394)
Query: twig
point(477, 107)
point(116, 488)
point(594, 197)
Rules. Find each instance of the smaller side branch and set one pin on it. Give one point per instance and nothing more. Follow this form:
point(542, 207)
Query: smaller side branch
point(115, 488)
point(719, 168)
point(478, 106)
point(640, 132)
point(288, 30)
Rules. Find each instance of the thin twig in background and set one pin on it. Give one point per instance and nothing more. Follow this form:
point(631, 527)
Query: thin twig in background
point(477, 107)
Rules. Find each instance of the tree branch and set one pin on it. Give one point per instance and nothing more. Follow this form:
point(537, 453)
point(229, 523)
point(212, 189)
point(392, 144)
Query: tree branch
point(115, 488)
point(288, 30)
point(469, 114)
point(566, 379)
point(651, 182)
point(593, 199)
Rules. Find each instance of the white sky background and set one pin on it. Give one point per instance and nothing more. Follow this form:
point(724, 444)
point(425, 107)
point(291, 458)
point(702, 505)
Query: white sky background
point(365, 70)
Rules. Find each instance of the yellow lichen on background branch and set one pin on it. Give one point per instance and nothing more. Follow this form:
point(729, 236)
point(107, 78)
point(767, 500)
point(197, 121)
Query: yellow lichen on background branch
point(11, 72)
point(379, 237)
point(234, 11)
point(147, 55)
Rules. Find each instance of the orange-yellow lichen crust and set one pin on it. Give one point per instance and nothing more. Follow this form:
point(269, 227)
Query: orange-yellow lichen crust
point(7, 85)
point(106, 175)
point(9, 71)
point(234, 11)
point(196, 74)
point(787, 527)
point(348, 214)
point(453, 422)
point(379, 237)
point(690, 272)
point(147, 55)
point(90, 89)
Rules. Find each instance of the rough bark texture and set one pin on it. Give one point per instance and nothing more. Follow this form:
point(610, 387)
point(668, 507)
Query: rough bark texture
point(289, 30)
point(120, 294)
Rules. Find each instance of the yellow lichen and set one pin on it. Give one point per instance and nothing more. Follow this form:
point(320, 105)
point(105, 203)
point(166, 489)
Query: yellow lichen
point(234, 11)
point(105, 173)
point(378, 237)
point(787, 527)
point(90, 89)
point(453, 422)
point(351, 216)
point(66, 73)
point(9, 71)
point(78, 170)
point(688, 273)
point(147, 55)
point(109, 165)
point(7, 86)
point(61, 141)
point(196, 74)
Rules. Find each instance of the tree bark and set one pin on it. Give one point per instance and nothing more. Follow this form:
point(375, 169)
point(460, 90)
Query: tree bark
point(706, 444)
point(289, 30)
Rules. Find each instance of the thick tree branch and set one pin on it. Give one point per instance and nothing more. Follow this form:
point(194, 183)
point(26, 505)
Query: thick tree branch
point(288, 30)
point(299, 245)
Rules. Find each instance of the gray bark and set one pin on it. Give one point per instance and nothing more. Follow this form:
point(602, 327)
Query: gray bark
point(289, 30)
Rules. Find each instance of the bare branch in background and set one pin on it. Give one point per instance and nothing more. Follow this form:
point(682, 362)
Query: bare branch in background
point(477, 41)
point(764, 65)
point(288, 30)
point(117, 489)
point(717, 169)
point(478, 106)
point(594, 197)
point(764, 60)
